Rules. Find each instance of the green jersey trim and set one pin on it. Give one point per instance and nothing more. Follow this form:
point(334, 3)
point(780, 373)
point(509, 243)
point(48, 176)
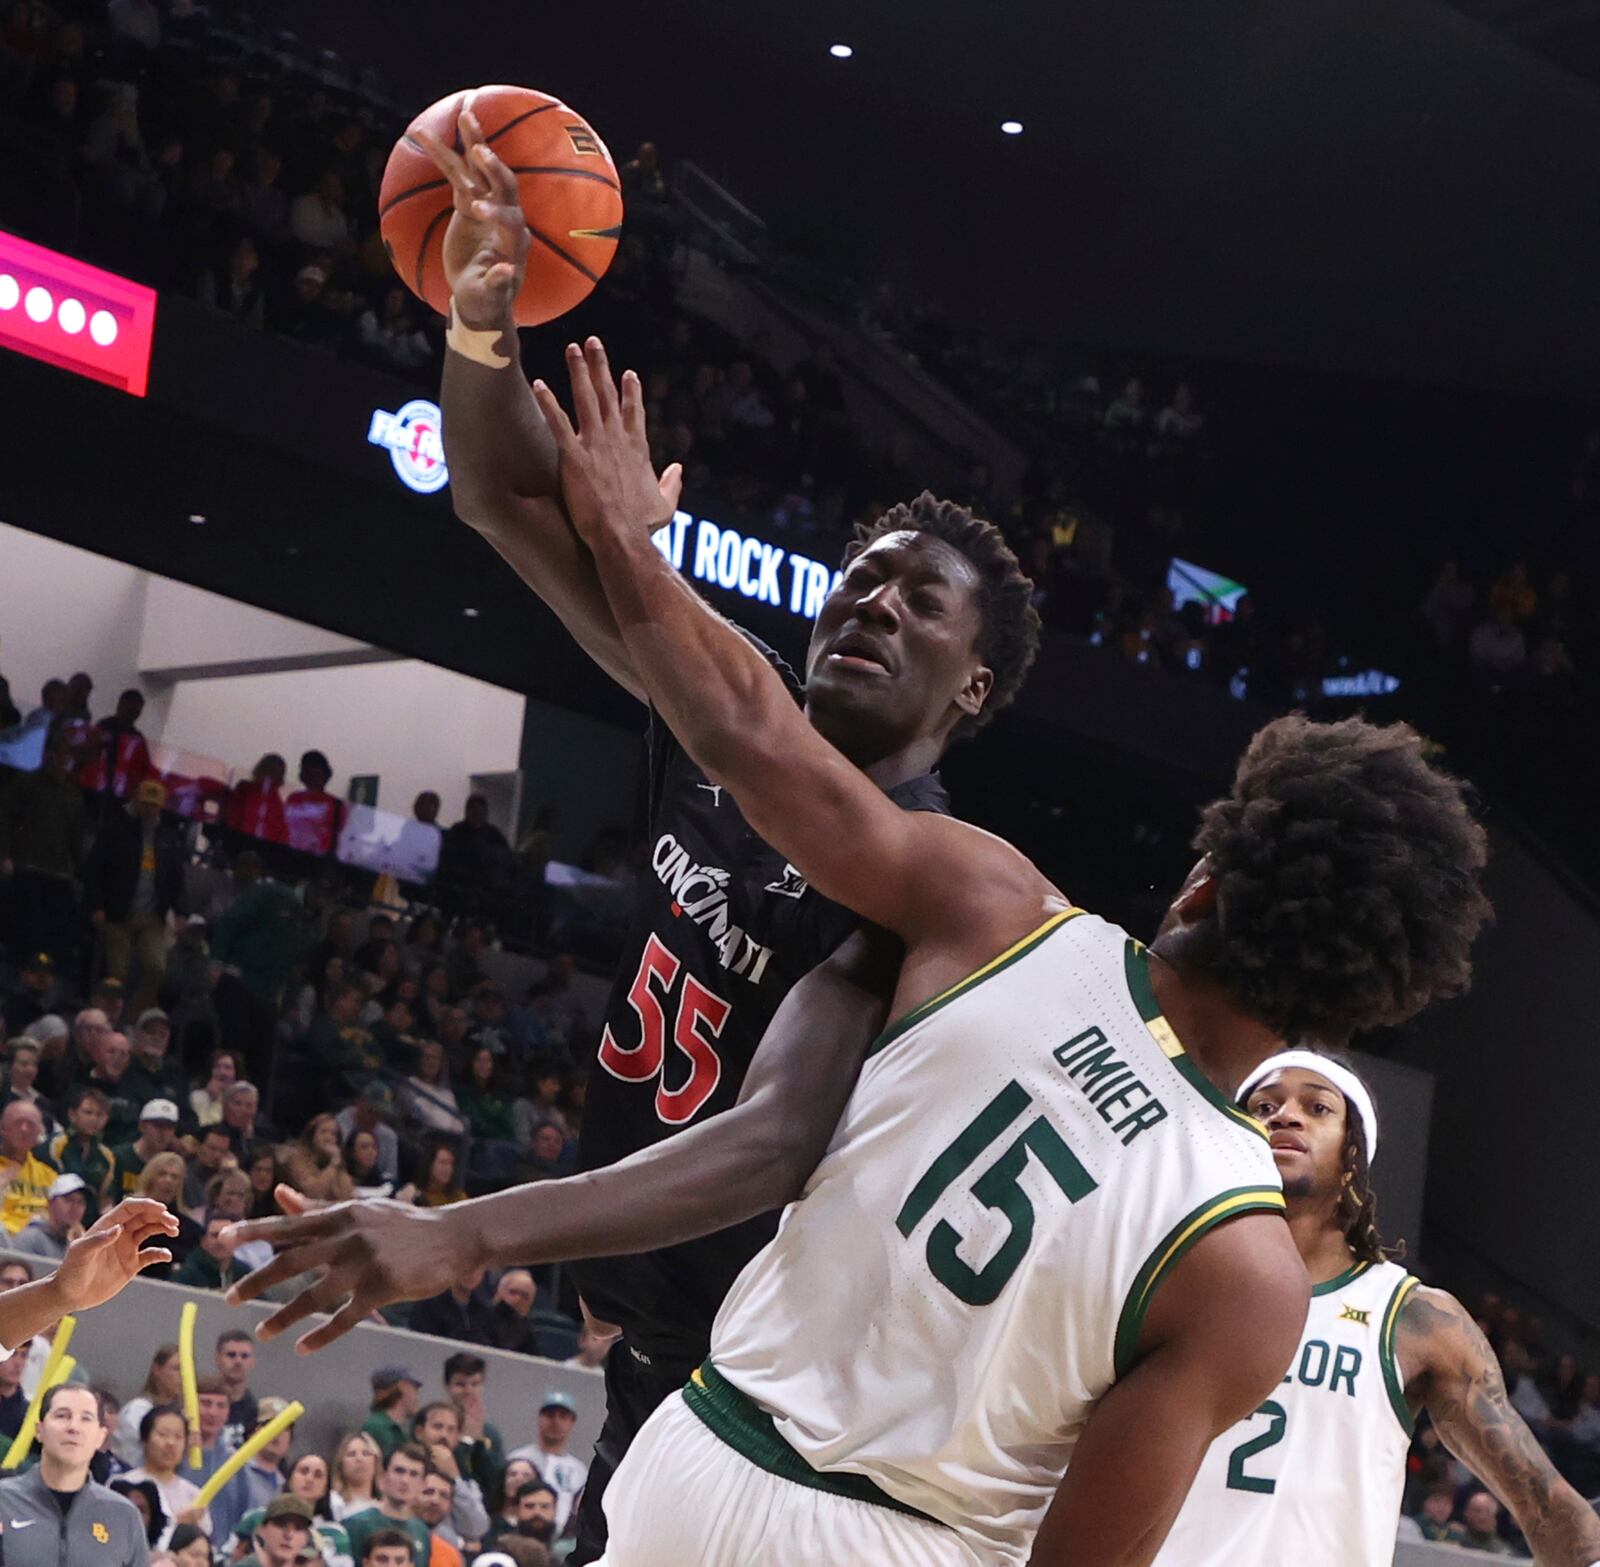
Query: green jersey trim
point(1136, 965)
point(1354, 1271)
point(1391, 1369)
point(1214, 1211)
point(1012, 953)
point(751, 1432)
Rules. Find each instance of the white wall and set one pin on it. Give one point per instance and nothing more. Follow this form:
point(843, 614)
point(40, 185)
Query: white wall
point(416, 726)
point(63, 609)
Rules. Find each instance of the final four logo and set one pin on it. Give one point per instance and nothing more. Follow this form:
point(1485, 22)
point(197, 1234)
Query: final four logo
point(412, 440)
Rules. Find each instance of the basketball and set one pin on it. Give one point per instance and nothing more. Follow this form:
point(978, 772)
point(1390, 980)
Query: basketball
point(570, 194)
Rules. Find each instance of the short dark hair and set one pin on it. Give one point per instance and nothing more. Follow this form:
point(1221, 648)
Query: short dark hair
point(385, 1538)
point(233, 1335)
point(1008, 639)
point(465, 1364)
point(532, 1488)
point(90, 1095)
point(428, 1409)
point(1347, 878)
point(78, 1387)
point(414, 1451)
point(148, 1424)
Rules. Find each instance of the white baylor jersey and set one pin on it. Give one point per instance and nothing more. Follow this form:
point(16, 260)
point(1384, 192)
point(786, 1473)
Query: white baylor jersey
point(1315, 1475)
point(1022, 1161)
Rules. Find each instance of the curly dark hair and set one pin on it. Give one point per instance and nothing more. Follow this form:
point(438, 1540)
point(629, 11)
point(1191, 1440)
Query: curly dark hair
point(1009, 640)
point(1347, 875)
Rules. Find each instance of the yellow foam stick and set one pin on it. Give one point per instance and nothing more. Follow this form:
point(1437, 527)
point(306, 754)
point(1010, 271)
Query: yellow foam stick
point(191, 1395)
point(20, 1448)
point(237, 1461)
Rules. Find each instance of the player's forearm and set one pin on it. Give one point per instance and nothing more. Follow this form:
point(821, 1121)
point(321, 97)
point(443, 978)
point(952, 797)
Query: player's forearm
point(30, 1309)
point(496, 442)
point(1563, 1531)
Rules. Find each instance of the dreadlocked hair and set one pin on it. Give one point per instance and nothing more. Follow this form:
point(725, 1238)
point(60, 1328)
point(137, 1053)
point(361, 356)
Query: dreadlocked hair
point(1008, 640)
point(1358, 1203)
point(1347, 876)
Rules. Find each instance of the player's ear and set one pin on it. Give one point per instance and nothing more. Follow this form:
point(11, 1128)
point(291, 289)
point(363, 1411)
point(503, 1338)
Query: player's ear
point(972, 696)
point(1198, 899)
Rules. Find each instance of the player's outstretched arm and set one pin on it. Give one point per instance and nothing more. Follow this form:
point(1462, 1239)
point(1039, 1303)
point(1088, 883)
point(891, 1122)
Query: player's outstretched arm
point(750, 1160)
point(98, 1265)
point(1222, 1329)
point(504, 479)
point(1448, 1363)
point(732, 713)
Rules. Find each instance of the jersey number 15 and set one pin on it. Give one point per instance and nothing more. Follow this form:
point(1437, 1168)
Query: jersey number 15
point(700, 1019)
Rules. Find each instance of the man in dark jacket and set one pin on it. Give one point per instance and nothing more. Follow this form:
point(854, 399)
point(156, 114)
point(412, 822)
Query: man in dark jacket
point(55, 1515)
point(41, 848)
point(133, 881)
point(459, 1313)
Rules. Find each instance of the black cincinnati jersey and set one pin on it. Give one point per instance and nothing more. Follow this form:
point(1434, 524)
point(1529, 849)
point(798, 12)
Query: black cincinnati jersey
point(724, 928)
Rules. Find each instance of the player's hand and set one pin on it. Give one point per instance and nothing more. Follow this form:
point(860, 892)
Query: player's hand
point(370, 1254)
point(607, 480)
point(487, 239)
point(114, 1251)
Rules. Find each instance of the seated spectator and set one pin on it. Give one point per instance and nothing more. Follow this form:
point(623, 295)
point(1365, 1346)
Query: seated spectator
point(163, 1436)
point(79, 1150)
point(1479, 1525)
point(284, 1537)
point(481, 1454)
point(158, 1133)
point(241, 1115)
point(258, 1482)
point(264, 1175)
point(395, 1395)
point(308, 1481)
point(540, 1107)
point(483, 1101)
point(188, 1547)
point(389, 336)
point(440, 1186)
point(162, 1180)
point(236, 1359)
point(314, 1163)
point(367, 1115)
point(232, 286)
point(212, 1395)
point(357, 1462)
point(317, 218)
point(163, 1384)
point(503, 1523)
point(22, 1074)
point(512, 1307)
point(145, 1500)
point(213, 1155)
point(110, 995)
point(13, 1401)
point(229, 1195)
point(388, 1548)
point(430, 1100)
point(437, 1430)
point(400, 1047)
point(338, 1050)
point(210, 1265)
point(363, 1160)
point(223, 1070)
point(554, 999)
point(263, 207)
point(52, 1035)
point(434, 1497)
point(460, 1312)
point(551, 1156)
point(25, 1176)
point(61, 1223)
point(534, 1510)
point(565, 1474)
point(397, 1494)
point(153, 1074)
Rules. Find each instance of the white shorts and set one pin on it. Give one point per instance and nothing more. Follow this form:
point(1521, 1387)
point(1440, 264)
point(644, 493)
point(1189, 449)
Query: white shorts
point(682, 1495)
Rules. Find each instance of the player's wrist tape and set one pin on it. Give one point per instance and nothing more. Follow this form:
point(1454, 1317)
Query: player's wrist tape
point(473, 344)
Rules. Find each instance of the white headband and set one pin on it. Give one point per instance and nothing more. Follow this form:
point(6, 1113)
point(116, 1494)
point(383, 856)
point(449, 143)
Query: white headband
point(1354, 1090)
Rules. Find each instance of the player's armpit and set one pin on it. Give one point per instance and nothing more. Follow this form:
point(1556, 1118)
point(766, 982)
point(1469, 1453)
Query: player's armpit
point(1448, 1362)
point(1217, 1338)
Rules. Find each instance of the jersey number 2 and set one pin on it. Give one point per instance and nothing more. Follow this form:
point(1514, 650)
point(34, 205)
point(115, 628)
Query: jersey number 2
point(1238, 1480)
point(701, 1015)
point(996, 1188)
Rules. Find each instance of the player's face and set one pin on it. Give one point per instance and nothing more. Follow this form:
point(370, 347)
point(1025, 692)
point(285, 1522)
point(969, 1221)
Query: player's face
point(1304, 1115)
point(894, 650)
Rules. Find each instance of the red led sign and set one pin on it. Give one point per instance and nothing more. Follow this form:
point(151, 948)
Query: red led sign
point(75, 316)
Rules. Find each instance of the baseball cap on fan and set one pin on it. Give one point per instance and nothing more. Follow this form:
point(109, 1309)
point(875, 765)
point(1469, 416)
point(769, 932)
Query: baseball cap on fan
point(66, 1185)
point(159, 1110)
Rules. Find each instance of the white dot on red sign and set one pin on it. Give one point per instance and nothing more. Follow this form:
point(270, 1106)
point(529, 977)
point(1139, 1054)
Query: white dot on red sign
point(103, 328)
point(39, 304)
point(72, 316)
point(9, 292)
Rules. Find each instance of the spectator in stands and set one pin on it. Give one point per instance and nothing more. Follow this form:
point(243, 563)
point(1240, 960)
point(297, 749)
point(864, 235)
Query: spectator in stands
point(559, 1469)
point(397, 1493)
point(312, 817)
point(236, 1359)
point(440, 1185)
point(483, 1101)
point(315, 1163)
point(158, 1134)
point(474, 862)
point(115, 1057)
point(339, 1056)
point(438, 1431)
point(430, 1100)
point(395, 1395)
point(213, 1154)
point(163, 1437)
point(223, 1070)
point(53, 1038)
point(256, 942)
point(232, 286)
point(229, 1195)
point(535, 1512)
point(25, 1178)
point(90, 1523)
point(551, 1154)
point(1522, 1385)
point(49, 1234)
point(255, 808)
point(241, 1115)
point(262, 1176)
point(1433, 1518)
point(79, 1150)
point(1477, 1529)
point(482, 1453)
point(357, 1463)
point(390, 337)
point(210, 1266)
point(36, 979)
point(284, 1538)
point(434, 1498)
point(212, 1397)
point(460, 1313)
point(367, 1114)
point(13, 1401)
point(317, 218)
point(512, 1309)
point(308, 1481)
point(162, 1181)
point(555, 1001)
point(388, 1548)
point(21, 1076)
point(363, 1162)
point(259, 1481)
point(110, 995)
point(263, 207)
point(41, 850)
point(153, 1074)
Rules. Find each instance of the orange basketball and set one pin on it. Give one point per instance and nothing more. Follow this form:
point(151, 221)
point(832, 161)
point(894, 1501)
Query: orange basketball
point(570, 194)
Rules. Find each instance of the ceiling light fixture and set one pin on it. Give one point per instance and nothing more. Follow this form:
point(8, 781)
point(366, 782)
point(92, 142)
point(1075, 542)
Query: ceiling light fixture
point(1011, 127)
point(471, 614)
point(841, 51)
